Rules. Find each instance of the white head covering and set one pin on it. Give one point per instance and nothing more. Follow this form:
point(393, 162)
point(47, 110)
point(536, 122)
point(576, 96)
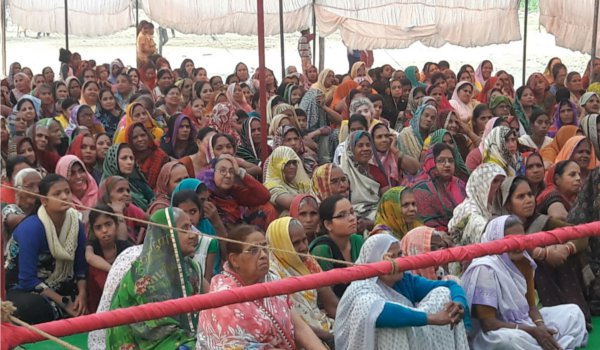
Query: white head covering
point(363, 301)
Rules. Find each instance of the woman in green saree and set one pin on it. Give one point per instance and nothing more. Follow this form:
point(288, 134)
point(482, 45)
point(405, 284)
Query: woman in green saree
point(164, 270)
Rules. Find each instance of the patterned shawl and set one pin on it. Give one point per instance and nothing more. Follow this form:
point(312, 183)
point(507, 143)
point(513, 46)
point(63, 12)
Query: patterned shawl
point(247, 150)
point(390, 215)
point(436, 198)
point(160, 273)
point(472, 215)
point(291, 265)
point(495, 151)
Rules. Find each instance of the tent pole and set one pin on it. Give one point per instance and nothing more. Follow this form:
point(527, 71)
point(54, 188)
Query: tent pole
point(264, 153)
point(314, 25)
point(3, 44)
point(137, 14)
point(281, 39)
point(525, 41)
point(67, 24)
point(594, 38)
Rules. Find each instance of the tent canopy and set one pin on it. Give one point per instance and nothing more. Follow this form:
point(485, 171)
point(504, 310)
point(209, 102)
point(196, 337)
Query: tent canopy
point(228, 16)
point(86, 17)
point(384, 24)
point(571, 23)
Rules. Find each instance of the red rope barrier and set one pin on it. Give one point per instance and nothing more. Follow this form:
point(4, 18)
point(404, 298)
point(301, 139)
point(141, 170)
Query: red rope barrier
point(14, 336)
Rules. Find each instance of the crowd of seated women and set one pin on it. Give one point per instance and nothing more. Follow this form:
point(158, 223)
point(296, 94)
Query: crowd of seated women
point(126, 186)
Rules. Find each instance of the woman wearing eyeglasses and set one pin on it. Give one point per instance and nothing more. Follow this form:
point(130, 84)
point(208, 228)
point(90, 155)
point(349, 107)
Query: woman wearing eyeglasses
point(339, 240)
point(285, 177)
point(329, 179)
point(238, 196)
point(259, 324)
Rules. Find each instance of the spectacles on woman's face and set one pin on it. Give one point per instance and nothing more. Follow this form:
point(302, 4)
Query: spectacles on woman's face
point(443, 161)
point(255, 251)
point(226, 171)
point(345, 215)
point(338, 181)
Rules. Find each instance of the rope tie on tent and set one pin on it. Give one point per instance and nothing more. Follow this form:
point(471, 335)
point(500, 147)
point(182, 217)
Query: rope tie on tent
point(201, 234)
point(6, 312)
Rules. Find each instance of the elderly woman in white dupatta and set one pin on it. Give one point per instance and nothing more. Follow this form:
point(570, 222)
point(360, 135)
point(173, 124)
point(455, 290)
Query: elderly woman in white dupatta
point(410, 140)
point(367, 181)
point(395, 311)
point(500, 289)
point(462, 100)
point(287, 235)
point(470, 217)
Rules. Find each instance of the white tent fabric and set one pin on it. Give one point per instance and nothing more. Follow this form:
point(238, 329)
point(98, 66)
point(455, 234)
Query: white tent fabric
point(570, 22)
point(86, 17)
point(381, 24)
point(228, 16)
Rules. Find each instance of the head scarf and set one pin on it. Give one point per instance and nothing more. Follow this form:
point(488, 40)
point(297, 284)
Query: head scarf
point(463, 110)
point(77, 143)
point(520, 112)
point(589, 125)
point(365, 190)
point(169, 139)
point(363, 302)
point(237, 105)
point(247, 150)
point(531, 81)
point(320, 84)
point(149, 124)
point(594, 87)
point(411, 75)
point(286, 265)
point(160, 273)
point(141, 193)
point(82, 100)
point(412, 105)
point(295, 206)
point(567, 151)
point(223, 118)
point(505, 291)
point(320, 183)
point(74, 122)
point(64, 166)
point(586, 97)
point(438, 137)
point(106, 186)
point(342, 91)
point(497, 100)
point(563, 135)
point(37, 106)
point(162, 196)
point(558, 124)
point(411, 140)
point(487, 87)
point(418, 241)
point(471, 216)
point(390, 215)
point(479, 72)
point(495, 150)
point(274, 176)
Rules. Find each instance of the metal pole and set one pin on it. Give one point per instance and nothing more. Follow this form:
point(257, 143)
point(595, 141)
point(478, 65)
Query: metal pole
point(281, 39)
point(262, 81)
point(594, 38)
point(314, 25)
point(67, 24)
point(525, 41)
point(137, 15)
point(4, 39)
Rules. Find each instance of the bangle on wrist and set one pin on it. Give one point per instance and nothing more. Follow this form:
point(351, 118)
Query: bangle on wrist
point(571, 247)
point(516, 326)
point(539, 320)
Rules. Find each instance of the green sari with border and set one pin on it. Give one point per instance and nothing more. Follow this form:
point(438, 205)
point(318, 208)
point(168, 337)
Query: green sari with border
point(160, 273)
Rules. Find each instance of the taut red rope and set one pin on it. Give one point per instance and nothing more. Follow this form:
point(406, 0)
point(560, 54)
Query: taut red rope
point(13, 336)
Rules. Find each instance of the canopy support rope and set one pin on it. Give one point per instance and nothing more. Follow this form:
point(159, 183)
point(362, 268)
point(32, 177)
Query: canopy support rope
point(14, 336)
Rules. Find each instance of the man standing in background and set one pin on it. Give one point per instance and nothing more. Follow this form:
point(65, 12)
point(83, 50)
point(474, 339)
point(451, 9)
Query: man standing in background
point(304, 48)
